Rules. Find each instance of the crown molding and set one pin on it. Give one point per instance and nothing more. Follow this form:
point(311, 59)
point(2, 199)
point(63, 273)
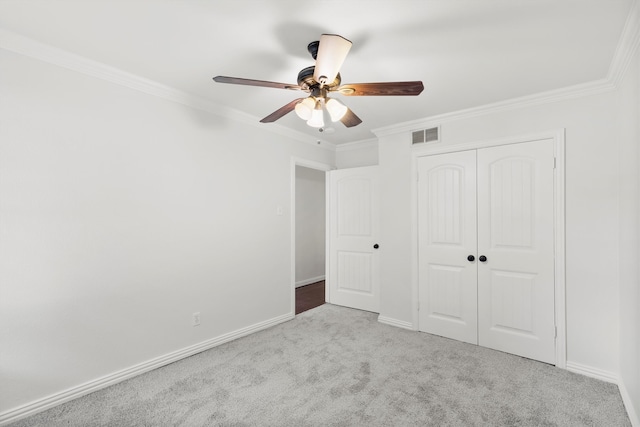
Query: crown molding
point(22, 45)
point(357, 145)
point(626, 49)
point(570, 92)
point(627, 46)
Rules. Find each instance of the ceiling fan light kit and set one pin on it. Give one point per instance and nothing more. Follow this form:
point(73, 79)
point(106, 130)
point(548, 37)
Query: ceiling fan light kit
point(329, 52)
point(305, 107)
point(317, 116)
point(336, 109)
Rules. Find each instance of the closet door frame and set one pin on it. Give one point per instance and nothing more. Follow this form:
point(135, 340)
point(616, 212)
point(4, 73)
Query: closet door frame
point(557, 138)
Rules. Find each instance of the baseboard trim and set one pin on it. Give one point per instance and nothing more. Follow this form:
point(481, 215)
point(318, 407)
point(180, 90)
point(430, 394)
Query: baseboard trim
point(632, 412)
point(610, 377)
point(48, 402)
point(589, 371)
point(395, 322)
point(309, 281)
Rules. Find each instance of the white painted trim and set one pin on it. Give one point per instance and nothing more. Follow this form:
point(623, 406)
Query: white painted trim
point(25, 46)
point(298, 161)
point(43, 404)
point(627, 46)
point(576, 91)
point(415, 247)
point(632, 411)
point(589, 371)
point(396, 323)
point(357, 145)
point(327, 240)
point(309, 281)
point(559, 222)
point(610, 377)
point(427, 150)
point(560, 249)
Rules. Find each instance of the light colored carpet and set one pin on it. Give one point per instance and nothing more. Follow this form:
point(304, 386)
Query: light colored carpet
point(334, 366)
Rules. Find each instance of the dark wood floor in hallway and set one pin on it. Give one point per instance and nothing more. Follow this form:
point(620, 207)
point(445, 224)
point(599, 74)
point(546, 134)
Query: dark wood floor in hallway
point(309, 296)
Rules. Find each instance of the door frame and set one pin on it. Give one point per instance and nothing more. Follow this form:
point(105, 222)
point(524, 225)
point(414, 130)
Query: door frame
point(558, 139)
point(298, 161)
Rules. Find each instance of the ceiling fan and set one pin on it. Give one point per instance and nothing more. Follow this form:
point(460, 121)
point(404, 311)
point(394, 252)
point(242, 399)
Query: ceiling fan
point(324, 78)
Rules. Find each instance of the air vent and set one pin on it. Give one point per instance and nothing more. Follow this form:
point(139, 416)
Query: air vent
point(417, 137)
point(425, 135)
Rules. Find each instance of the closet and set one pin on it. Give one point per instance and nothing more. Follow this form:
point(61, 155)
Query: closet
point(486, 247)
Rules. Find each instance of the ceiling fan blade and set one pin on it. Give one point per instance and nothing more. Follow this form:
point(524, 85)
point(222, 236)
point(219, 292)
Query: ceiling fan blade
point(281, 111)
point(350, 119)
point(382, 89)
point(332, 51)
point(249, 82)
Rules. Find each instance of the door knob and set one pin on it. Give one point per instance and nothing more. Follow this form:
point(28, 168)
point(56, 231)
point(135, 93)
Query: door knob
point(482, 258)
point(376, 246)
point(471, 258)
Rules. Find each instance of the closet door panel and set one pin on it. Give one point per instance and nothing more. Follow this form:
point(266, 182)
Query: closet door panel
point(515, 234)
point(447, 236)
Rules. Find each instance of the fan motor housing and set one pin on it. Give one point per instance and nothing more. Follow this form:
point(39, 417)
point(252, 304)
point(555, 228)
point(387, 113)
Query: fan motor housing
point(308, 83)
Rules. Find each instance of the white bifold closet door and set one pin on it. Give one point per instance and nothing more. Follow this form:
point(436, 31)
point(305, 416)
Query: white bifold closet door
point(486, 247)
point(447, 236)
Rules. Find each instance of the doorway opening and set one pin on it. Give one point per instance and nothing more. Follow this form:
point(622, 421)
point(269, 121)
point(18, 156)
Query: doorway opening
point(308, 235)
point(310, 296)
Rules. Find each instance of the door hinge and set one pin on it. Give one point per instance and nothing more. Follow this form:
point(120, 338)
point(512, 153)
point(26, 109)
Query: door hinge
point(555, 332)
point(554, 162)
point(418, 305)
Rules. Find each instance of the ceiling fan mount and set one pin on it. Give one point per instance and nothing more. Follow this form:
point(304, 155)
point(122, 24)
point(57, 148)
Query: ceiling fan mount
point(313, 49)
point(323, 78)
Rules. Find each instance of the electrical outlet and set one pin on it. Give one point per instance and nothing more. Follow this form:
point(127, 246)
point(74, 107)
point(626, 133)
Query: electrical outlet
point(195, 321)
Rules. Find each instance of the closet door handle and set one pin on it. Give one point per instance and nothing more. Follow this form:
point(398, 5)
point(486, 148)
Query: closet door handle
point(471, 258)
point(376, 246)
point(482, 258)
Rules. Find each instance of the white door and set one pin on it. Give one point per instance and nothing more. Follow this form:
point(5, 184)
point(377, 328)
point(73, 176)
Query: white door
point(511, 212)
point(516, 286)
point(353, 249)
point(447, 237)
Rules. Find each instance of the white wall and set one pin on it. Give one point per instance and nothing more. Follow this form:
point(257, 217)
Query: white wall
point(628, 124)
point(121, 214)
point(310, 225)
point(592, 195)
point(357, 154)
point(396, 298)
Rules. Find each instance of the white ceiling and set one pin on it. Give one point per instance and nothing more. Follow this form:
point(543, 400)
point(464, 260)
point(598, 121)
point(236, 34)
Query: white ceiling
point(467, 52)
